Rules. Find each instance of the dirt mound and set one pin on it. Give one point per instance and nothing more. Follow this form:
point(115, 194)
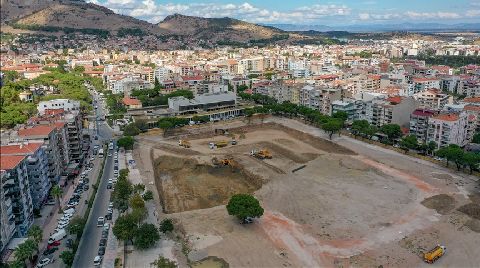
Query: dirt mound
point(472, 210)
point(184, 184)
point(473, 225)
point(175, 149)
point(211, 262)
point(442, 203)
point(279, 150)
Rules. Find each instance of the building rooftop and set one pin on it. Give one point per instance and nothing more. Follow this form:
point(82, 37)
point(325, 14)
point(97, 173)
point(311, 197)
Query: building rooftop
point(19, 149)
point(130, 101)
point(38, 130)
point(8, 162)
point(447, 117)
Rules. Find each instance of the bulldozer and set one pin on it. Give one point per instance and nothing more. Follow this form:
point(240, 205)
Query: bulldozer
point(261, 154)
point(223, 162)
point(434, 254)
point(184, 143)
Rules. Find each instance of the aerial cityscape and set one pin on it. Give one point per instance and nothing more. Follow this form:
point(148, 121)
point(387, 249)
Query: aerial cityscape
point(216, 134)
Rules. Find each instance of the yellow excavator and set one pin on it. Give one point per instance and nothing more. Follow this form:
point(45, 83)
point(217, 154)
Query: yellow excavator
point(261, 154)
point(223, 162)
point(434, 254)
point(184, 143)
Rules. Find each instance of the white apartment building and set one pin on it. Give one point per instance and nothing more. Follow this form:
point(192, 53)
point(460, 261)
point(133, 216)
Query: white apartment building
point(66, 104)
point(433, 99)
point(450, 128)
point(161, 74)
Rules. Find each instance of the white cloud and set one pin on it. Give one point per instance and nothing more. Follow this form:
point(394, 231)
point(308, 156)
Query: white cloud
point(473, 13)
point(432, 15)
point(364, 16)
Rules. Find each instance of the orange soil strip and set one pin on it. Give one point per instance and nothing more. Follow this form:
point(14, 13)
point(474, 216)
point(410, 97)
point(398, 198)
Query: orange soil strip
point(421, 185)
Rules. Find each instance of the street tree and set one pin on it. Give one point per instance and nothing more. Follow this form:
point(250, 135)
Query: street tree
point(471, 160)
point(57, 193)
point(146, 236)
point(148, 195)
point(122, 192)
point(35, 233)
point(393, 131)
point(137, 202)
point(166, 226)
point(359, 127)
point(343, 116)
point(409, 142)
point(163, 262)
point(165, 126)
point(332, 126)
point(26, 250)
point(432, 146)
point(138, 188)
point(125, 227)
point(452, 153)
point(76, 226)
point(476, 138)
point(244, 206)
point(131, 130)
point(126, 142)
point(67, 257)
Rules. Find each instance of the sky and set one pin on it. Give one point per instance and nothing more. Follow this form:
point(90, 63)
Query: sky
point(306, 12)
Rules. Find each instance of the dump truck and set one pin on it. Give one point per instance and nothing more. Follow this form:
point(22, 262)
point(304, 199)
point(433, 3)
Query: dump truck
point(434, 254)
point(261, 154)
point(184, 143)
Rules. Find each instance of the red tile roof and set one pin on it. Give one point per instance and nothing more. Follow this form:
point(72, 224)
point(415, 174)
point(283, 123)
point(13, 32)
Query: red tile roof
point(420, 112)
point(36, 130)
point(8, 162)
point(395, 99)
point(18, 149)
point(447, 117)
point(474, 99)
point(129, 101)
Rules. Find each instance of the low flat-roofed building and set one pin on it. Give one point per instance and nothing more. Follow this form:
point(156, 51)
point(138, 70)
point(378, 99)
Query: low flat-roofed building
point(205, 102)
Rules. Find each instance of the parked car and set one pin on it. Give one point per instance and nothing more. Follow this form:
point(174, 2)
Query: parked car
point(108, 216)
point(49, 251)
point(104, 233)
point(100, 221)
point(97, 261)
point(106, 226)
point(54, 244)
point(101, 251)
point(103, 242)
point(43, 263)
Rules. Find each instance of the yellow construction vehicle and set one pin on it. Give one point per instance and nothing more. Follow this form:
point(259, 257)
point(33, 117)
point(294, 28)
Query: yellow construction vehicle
point(434, 254)
point(184, 143)
point(223, 162)
point(261, 154)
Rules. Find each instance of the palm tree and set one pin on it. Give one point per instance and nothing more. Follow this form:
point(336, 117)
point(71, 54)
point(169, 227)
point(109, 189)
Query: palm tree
point(57, 192)
point(35, 233)
point(26, 250)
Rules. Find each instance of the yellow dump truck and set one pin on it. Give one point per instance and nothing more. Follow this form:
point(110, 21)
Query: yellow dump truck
point(223, 162)
point(220, 144)
point(434, 254)
point(184, 143)
point(261, 154)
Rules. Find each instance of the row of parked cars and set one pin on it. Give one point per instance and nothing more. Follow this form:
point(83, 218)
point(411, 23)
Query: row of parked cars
point(102, 221)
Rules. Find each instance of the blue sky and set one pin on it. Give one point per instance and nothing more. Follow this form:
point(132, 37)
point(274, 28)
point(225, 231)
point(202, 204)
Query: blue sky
point(329, 13)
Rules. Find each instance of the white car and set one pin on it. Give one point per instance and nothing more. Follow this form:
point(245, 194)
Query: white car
point(43, 263)
point(110, 205)
point(106, 226)
point(109, 154)
point(97, 261)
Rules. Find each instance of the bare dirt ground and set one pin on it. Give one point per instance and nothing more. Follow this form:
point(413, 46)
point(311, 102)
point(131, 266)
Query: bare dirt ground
point(352, 205)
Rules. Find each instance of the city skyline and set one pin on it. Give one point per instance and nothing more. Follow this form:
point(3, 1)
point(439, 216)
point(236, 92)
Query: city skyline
point(306, 12)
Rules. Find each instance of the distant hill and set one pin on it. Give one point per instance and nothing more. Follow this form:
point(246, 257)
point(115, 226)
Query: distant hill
point(216, 28)
point(69, 13)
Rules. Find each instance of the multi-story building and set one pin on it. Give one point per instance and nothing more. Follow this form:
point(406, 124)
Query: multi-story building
point(469, 87)
point(319, 98)
point(433, 99)
point(7, 218)
point(448, 128)
point(66, 104)
point(419, 123)
point(394, 110)
point(36, 161)
point(16, 188)
point(420, 84)
point(49, 135)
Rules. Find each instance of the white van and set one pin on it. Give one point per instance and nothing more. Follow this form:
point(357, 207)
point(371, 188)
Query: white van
point(57, 236)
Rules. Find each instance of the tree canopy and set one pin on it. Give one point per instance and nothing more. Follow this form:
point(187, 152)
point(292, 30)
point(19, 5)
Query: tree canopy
point(243, 206)
point(126, 142)
point(146, 236)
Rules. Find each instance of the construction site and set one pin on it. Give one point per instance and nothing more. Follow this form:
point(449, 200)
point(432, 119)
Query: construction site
point(340, 203)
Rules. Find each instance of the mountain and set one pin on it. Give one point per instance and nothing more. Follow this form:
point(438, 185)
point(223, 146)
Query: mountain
point(414, 27)
point(216, 28)
point(74, 14)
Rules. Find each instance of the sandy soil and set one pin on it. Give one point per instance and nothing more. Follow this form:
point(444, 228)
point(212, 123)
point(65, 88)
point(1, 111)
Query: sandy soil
point(353, 204)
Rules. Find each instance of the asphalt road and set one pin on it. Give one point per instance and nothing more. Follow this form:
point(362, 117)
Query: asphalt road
point(88, 247)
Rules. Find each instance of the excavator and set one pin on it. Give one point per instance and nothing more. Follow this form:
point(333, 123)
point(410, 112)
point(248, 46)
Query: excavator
point(261, 154)
point(184, 143)
point(223, 162)
point(434, 254)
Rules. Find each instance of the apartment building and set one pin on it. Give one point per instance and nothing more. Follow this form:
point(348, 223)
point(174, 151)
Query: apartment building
point(319, 98)
point(66, 104)
point(16, 188)
point(469, 87)
point(419, 123)
point(204, 87)
point(161, 74)
point(50, 136)
point(420, 84)
point(448, 128)
point(36, 162)
point(393, 110)
point(7, 218)
point(433, 99)
point(353, 108)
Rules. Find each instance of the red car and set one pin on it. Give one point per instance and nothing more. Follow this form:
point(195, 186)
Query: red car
point(54, 244)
